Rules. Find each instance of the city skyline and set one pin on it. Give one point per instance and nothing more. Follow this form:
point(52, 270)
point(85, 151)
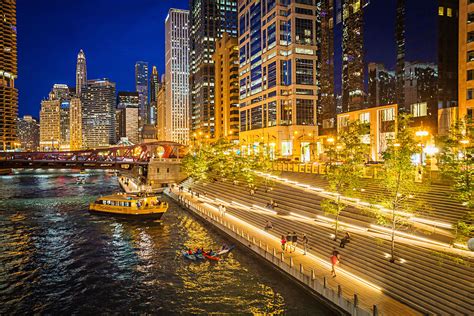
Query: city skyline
point(57, 65)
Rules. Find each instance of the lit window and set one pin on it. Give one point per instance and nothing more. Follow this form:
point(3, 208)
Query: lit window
point(441, 11)
point(449, 12)
point(388, 115)
point(364, 117)
point(470, 74)
point(470, 94)
point(419, 109)
point(286, 148)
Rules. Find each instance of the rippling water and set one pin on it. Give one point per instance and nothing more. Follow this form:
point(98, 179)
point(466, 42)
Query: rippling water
point(55, 257)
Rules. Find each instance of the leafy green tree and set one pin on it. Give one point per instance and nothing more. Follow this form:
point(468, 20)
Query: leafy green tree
point(399, 180)
point(456, 162)
point(344, 175)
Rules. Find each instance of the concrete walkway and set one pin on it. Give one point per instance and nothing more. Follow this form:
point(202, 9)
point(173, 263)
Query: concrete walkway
point(316, 268)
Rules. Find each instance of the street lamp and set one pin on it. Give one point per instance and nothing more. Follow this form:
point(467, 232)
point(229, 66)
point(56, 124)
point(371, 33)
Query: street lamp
point(421, 134)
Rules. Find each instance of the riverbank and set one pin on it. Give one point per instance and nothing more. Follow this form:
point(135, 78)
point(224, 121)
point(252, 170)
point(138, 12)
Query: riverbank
point(352, 294)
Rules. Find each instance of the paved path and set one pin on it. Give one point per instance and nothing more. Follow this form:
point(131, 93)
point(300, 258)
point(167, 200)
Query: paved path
point(368, 294)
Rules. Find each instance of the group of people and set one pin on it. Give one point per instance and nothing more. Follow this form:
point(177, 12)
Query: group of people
point(222, 209)
point(290, 242)
point(199, 251)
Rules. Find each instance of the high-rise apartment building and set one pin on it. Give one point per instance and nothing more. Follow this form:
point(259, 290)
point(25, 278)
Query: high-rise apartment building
point(161, 112)
point(155, 85)
point(81, 73)
point(226, 63)
point(128, 105)
point(209, 19)
point(278, 83)
point(353, 55)
point(141, 85)
point(466, 58)
point(382, 86)
point(98, 113)
point(65, 125)
point(8, 75)
point(50, 126)
point(400, 65)
point(75, 124)
point(28, 131)
point(177, 76)
point(326, 103)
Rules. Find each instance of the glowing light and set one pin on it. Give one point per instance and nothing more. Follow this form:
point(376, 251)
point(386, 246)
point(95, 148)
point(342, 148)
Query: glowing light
point(302, 216)
point(464, 141)
point(422, 133)
point(385, 229)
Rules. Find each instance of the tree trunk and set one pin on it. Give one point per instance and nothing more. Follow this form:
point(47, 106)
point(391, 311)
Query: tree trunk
point(392, 246)
point(338, 211)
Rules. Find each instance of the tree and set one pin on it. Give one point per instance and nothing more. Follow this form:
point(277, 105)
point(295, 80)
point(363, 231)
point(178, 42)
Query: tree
point(457, 164)
point(344, 174)
point(399, 180)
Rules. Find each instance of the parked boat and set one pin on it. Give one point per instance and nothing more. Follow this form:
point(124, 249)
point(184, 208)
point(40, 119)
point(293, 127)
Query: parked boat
point(130, 205)
point(211, 256)
point(225, 250)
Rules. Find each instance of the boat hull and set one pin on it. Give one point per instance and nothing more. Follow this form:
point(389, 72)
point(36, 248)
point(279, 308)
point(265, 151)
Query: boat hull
point(146, 216)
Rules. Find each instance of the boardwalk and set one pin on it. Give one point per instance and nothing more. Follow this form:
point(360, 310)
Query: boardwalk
point(368, 293)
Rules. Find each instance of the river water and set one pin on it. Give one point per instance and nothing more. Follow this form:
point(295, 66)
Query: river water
point(57, 258)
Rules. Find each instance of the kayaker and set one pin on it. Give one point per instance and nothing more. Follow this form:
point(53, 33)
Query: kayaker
point(190, 252)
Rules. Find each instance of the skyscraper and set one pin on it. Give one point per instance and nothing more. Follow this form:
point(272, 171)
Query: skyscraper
point(128, 105)
point(81, 72)
point(209, 19)
point(278, 88)
point(8, 75)
point(50, 126)
point(161, 112)
point(352, 54)
point(177, 76)
point(400, 66)
point(28, 133)
point(326, 102)
point(155, 85)
point(382, 86)
point(98, 113)
point(75, 124)
point(466, 59)
point(141, 85)
point(226, 62)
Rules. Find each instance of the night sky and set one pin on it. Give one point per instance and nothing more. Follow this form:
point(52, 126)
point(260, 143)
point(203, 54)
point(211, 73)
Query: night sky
point(114, 34)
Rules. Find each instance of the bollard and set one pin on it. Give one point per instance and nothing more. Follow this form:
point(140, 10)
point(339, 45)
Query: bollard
point(259, 243)
point(253, 240)
point(376, 311)
point(282, 257)
point(339, 290)
point(324, 282)
point(301, 268)
point(291, 262)
point(274, 252)
point(313, 275)
point(356, 300)
point(266, 247)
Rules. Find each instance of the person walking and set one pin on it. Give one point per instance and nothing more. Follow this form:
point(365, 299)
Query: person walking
point(252, 192)
point(345, 240)
point(283, 243)
point(294, 241)
point(335, 260)
point(268, 225)
point(305, 244)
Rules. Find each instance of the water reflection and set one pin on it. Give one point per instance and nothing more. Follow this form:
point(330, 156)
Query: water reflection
point(57, 258)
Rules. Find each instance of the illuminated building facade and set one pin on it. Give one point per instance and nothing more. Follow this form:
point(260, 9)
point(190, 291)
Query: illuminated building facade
point(161, 112)
point(209, 19)
point(98, 113)
point(400, 66)
point(326, 103)
point(141, 85)
point(382, 85)
point(28, 133)
point(226, 62)
point(128, 105)
point(75, 124)
point(177, 63)
point(466, 59)
point(278, 83)
point(155, 85)
point(50, 125)
point(81, 73)
point(8, 75)
point(353, 55)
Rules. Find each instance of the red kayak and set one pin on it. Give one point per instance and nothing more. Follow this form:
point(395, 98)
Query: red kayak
point(211, 257)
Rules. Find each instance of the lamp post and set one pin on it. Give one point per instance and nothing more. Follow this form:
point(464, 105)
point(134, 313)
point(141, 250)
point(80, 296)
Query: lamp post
point(330, 141)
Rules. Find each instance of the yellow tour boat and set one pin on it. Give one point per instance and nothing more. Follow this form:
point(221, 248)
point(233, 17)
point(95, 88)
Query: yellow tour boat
point(130, 205)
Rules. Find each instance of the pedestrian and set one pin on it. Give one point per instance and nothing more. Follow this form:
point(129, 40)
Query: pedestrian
point(252, 192)
point(289, 240)
point(305, 243)
point(268, 225)
point(335, 260)
point(345, 240)
point(295, 241)
point(224, 209)
point(283, 243)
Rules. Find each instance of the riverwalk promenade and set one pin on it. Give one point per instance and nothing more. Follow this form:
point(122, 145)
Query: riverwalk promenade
point(349, 292)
